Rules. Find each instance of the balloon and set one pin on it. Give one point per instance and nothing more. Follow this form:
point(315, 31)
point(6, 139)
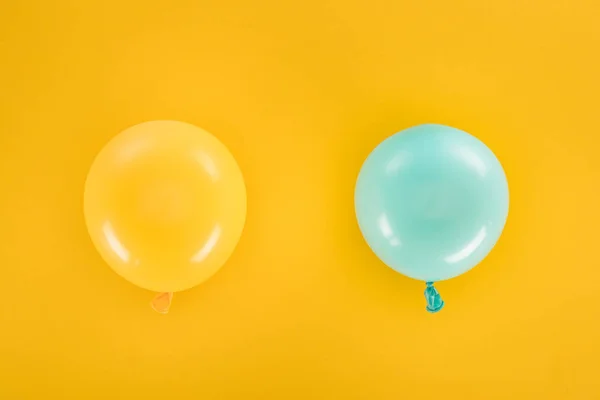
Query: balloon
point(165, 205)
point(431, 202)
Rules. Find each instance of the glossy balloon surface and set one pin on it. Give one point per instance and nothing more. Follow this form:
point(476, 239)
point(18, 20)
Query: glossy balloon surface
point(165, 205)
point(431, 201)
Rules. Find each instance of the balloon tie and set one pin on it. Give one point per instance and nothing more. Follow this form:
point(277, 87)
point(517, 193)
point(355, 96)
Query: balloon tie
point(162, 302)
point(434, 300)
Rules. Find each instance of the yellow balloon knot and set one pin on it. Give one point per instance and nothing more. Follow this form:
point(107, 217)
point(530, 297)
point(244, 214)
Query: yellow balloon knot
point(162, 302)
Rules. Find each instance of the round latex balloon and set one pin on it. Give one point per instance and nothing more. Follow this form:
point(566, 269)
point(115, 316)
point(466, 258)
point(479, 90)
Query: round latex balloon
point(431, 202)
point(165, 205)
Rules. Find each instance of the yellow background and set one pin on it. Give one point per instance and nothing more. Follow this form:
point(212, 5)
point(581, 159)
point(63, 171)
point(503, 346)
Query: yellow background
point(300, 92)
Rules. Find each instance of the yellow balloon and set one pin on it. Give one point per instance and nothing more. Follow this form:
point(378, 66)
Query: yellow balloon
point(165, 205)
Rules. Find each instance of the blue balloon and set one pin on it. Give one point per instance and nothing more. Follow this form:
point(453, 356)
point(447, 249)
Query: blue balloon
point(431, 202)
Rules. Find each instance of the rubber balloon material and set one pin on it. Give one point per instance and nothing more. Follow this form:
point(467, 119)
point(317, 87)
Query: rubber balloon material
point(161, 303)
point(165, 205)
point(433, 298)
point(431, 202)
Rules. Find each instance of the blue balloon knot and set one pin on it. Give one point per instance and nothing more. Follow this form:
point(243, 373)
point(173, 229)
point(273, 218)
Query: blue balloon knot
point(433, 298)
